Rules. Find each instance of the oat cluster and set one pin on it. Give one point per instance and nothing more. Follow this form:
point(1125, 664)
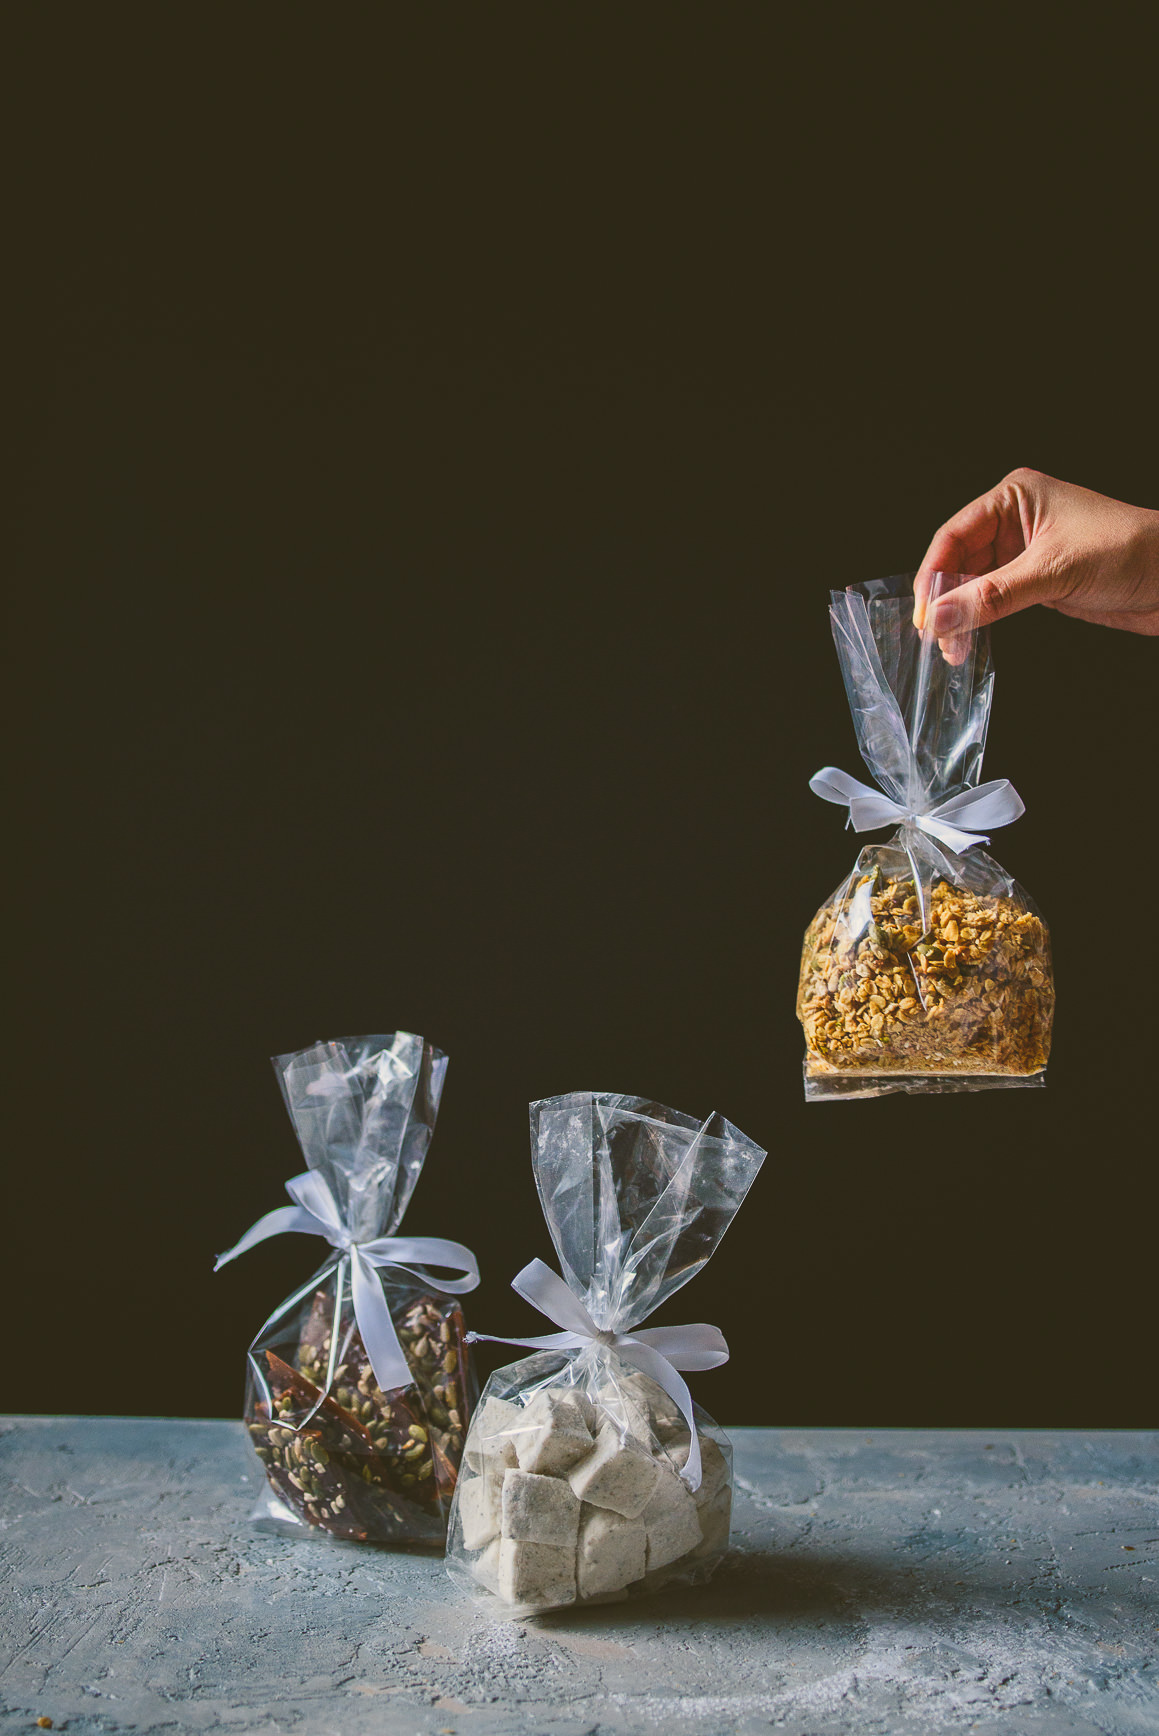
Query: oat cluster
point(369, 1465)
point(972, 993)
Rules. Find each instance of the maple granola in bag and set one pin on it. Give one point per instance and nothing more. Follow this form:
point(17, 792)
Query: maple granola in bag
point(589, 1475)
point(360, 1386)
point(929, 968)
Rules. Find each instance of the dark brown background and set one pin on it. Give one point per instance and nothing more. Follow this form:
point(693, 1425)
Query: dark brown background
point(441, 443)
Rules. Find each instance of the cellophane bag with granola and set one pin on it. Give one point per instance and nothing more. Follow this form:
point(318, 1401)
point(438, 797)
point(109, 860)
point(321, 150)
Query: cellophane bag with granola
point(576, 1483)
point(338, 1452)
point(928, 969)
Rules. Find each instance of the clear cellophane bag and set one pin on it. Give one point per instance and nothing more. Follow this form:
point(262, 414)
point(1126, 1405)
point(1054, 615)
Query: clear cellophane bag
point(339, 1453)
point(928, 969)
point(572, 1487)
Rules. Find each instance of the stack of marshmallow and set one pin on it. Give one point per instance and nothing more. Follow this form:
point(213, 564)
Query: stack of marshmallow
point(564, 1499)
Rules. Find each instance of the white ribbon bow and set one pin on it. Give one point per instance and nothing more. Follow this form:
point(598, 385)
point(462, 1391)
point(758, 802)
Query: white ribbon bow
point(992, 804)
point(315, 1214)
point(658, 1351)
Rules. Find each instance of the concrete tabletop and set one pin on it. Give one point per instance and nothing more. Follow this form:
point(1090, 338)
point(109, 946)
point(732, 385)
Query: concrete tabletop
point(881, 1581)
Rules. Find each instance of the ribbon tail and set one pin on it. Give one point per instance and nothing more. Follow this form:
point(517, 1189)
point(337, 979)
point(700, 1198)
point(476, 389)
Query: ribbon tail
point(694, 1348)
point(870, 812)
point(385, 1353)
point(547, 1292)
point(868, 808)
point(310, 1191)
point(834, 785)
point(952, 836)
point(426, 1250)
point(548, 1340)
point(994, 804)
point(659, 1369)
point(275, 1223)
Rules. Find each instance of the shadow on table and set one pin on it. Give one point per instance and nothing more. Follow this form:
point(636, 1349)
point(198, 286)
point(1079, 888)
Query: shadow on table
point(783, 1587)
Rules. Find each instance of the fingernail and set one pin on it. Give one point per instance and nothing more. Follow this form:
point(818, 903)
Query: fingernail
point(949, 616)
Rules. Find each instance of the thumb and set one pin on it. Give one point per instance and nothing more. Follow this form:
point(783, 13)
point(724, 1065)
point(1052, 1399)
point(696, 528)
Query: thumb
point(1032, 577)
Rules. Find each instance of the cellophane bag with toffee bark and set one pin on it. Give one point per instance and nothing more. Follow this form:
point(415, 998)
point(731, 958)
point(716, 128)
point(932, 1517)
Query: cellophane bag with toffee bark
point(339, 1453)
point(928, 969)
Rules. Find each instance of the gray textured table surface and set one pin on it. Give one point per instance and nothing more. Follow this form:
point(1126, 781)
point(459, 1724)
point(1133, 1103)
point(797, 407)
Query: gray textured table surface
point(881, 1581)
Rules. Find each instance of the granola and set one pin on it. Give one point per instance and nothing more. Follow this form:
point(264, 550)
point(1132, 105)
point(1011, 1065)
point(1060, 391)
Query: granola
point(971, 992)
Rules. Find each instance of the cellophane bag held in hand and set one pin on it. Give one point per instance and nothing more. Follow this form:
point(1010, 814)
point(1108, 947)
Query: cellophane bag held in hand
point(929, 968)
point(359, 1386)
point(588, 1474)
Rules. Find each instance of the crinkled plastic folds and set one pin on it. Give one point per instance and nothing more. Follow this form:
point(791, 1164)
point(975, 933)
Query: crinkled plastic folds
point(362, 1464)
point(926, 970)
point(571, 1490)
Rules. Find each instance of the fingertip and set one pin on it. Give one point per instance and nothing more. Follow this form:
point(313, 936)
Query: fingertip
point(957, 611)
point(955, 649)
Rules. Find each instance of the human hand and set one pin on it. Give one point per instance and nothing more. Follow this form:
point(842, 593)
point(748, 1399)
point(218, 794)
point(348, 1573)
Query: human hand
point(1036, 540)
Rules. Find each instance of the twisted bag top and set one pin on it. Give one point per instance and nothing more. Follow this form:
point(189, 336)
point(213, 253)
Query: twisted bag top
point(636, 1196)
point(364, 1109)
point(921, 721)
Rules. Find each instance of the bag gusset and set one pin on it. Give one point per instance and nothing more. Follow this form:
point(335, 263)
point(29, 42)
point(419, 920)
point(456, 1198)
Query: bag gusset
point(359, 1385)
point(929, 968)
point(589, 1475)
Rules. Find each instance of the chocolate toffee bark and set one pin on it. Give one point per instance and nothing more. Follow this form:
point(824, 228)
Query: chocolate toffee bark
point(380, 1467)
point(448, 1400)
point(419, 1429)
point(327, 1471)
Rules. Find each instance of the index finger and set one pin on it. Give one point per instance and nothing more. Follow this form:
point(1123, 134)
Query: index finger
point(964, 544)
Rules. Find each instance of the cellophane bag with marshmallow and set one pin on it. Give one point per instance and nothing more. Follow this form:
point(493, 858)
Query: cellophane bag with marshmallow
point(575, 1485)
point(929, 968)
point(341, 1454)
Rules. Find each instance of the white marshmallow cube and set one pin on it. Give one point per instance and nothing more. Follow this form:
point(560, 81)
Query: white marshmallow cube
point(478, 1511)
point(491, 1436)
point(671, 1521)
point(539, 1510)
point(555, 1431)
point(571, 1404)
point(618, 1473)
point(536, 1573)
point(612, 1552)
point(485, 1567)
